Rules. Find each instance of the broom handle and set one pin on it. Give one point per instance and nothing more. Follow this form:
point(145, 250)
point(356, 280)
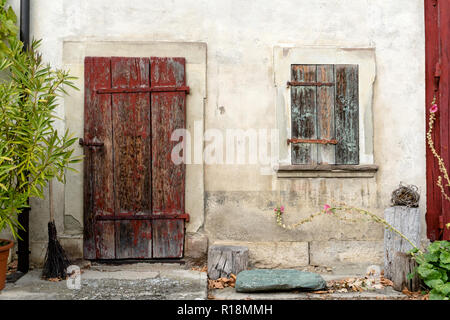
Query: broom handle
point(50, 199)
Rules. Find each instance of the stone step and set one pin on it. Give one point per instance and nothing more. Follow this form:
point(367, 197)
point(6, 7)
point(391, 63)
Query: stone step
point(269, 280)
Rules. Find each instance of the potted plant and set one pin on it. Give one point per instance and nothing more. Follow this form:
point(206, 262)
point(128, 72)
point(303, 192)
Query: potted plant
point(7, 214)
point(5, 245)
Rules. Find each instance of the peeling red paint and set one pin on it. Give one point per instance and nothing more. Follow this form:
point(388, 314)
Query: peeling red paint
point(132, 105)
point(437, 67)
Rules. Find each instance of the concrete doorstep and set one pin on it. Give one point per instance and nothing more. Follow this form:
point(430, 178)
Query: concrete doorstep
point(139, 281)
point(231, 294)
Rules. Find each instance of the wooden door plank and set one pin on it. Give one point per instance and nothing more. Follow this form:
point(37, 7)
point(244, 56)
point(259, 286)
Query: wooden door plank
point(133, 239)
point(444, 104)
point(347, 114)
point(168, 238)
point(98, 181)
point(168, 112)
point(132, 156)
point(132, 144)
point(325, 114)
point(303, 114)
point(434, 196)
point(104, 241)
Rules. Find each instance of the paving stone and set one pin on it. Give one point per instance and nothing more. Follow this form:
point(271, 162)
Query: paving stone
point(124, 282)
point(267, 280)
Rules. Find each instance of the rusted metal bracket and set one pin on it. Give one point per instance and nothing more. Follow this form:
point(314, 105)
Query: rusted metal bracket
point(184, 216)
point(309, 84)
point(319, 141)
point(146, 89)
point(90, 144)
point(437, 76)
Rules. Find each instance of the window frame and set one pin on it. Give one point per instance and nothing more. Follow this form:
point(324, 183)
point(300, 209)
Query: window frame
point(364, 57)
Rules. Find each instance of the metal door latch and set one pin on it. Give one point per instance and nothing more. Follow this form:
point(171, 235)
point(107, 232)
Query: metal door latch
point(90, 143)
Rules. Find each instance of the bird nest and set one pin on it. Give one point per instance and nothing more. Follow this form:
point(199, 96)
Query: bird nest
point(405, 195)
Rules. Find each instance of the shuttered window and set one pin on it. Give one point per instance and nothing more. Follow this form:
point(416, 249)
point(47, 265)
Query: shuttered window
point(324, 114)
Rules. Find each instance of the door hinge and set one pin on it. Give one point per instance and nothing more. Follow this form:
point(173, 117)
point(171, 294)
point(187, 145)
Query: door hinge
point(437, 75)
point(318, 141)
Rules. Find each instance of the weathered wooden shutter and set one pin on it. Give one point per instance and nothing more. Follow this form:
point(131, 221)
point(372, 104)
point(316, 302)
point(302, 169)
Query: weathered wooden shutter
point(324, 114)
point(134, 193)
point(347, 114)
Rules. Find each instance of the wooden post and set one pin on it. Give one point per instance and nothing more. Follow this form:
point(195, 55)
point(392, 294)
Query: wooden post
point(407, 221)
point(226, 260)
point(402, 266)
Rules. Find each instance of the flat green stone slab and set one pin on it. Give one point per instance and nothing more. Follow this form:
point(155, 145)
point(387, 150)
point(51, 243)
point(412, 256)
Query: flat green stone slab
point(266, 280)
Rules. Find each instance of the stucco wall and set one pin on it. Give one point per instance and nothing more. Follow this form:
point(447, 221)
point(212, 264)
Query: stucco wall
point(240, 37)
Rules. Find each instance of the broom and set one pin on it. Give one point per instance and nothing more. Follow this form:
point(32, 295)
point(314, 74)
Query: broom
point(56, 261)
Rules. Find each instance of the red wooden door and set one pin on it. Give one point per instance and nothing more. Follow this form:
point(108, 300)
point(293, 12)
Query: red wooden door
point(437, 43)
point(134, 193)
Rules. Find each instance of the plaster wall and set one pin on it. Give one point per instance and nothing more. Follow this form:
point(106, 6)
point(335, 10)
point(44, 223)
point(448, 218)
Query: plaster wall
point(241, 93)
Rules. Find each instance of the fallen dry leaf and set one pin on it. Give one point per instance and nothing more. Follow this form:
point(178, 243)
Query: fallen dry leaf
point(369, 282)
point(386, 282)
point(202, 269)
point(415, 294)
point(221, 283)
point(321, 291)
point(54, 279)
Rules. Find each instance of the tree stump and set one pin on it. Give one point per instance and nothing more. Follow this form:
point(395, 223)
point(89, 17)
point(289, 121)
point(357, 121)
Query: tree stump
point(407, 221)
point(402, 266)
point(226, 260)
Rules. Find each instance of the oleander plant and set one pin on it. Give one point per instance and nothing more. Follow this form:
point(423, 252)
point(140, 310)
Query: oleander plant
point(32, 151)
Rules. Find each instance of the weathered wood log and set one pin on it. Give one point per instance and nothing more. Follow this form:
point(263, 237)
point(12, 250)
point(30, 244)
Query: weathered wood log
point(226, 260)
point(407, 221)
point(402, 266)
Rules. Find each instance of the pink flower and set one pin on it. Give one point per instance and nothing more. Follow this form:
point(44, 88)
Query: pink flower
point(327, 208)
point(434, 108)
point(276, 209)
point(282, 209)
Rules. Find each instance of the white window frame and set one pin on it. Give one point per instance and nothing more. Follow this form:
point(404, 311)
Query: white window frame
point(284, 57)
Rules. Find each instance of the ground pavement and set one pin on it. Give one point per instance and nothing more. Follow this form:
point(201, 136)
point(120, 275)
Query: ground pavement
point(157, 281)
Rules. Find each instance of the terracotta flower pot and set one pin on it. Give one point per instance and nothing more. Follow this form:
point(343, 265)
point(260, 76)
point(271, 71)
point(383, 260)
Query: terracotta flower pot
point(4, 253)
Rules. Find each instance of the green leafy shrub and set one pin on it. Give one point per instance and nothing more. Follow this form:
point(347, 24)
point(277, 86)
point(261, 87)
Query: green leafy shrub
point(434, 269)
point(32, 151)
point(8, 28)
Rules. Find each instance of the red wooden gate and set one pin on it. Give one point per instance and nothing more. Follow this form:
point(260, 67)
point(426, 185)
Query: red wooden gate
point(133, 192)
point(437, 42)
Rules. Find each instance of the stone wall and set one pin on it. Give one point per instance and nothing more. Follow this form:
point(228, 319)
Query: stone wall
point(240, 37)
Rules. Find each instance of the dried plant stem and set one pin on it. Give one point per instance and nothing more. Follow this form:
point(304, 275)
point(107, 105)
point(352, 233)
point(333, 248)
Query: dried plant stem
point(441, 163)
point(335, 211)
